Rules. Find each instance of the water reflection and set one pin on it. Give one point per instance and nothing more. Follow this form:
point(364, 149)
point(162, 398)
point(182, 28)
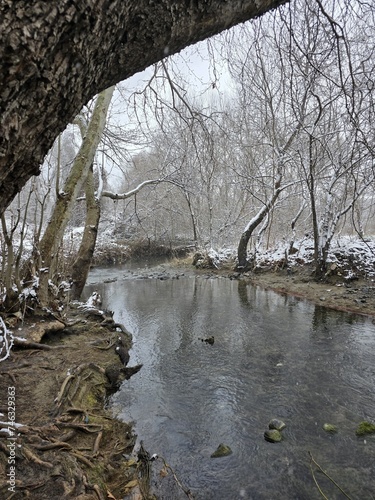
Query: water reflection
point(273, 356)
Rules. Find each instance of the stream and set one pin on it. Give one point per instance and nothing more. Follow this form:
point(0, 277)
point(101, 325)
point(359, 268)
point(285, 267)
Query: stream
point(273, 356)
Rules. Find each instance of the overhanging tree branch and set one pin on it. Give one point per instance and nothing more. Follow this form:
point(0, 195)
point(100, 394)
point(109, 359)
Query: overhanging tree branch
point(56, 55)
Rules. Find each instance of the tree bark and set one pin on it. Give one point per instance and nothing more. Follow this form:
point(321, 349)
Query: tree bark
point(243, 263)
point(82, 263)
point(61, 214)
point(50, 242)
point(56, 55)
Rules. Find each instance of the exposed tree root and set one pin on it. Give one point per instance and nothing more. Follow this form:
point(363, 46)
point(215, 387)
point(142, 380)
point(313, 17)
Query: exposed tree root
point(31, 456)
point(68, 405)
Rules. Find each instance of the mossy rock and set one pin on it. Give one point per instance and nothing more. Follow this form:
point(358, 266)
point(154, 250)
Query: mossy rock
point(365, 428)
point(273, 436)
point(332, 429)
point(222, 450)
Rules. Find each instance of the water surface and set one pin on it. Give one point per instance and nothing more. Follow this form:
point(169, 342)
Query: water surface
point(273, 356)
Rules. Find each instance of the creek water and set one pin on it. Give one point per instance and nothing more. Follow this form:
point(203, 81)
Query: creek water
point(273, 356)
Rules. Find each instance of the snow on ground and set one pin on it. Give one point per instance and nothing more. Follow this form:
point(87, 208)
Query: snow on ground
point(348, 253)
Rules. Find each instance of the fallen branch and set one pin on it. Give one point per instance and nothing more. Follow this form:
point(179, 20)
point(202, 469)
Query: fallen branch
point(37, 345)
point(82, 458)
point(67, 436)
point(107, 347)
point(63, 389)
point(312, 460)
point(98, 492)
point(52, 446)
point(81, 427)
point(185, 490)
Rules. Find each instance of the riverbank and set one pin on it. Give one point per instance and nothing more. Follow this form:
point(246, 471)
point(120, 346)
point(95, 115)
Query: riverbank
point(62, 441)
point(350, 295)
point(356, 295)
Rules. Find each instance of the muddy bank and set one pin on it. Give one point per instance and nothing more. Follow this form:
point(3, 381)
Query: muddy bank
point(352, 296)
point(68, 445)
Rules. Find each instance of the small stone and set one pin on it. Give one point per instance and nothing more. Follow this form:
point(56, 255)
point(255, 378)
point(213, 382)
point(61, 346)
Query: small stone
point(273, 436)
point(277, 424)
point(222, 450)
point(332, 429)
point(365, 428)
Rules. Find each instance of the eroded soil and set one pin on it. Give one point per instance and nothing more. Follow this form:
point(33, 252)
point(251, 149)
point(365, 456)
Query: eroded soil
point(69, 444)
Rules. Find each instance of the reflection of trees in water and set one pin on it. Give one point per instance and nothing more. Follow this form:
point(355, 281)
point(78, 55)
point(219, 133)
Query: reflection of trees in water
point(326, 320)
point(319, 320)
point(242, 293)
point(274, 355)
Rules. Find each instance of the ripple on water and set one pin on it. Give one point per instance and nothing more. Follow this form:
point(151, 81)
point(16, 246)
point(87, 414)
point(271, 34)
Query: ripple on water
point(272, 358)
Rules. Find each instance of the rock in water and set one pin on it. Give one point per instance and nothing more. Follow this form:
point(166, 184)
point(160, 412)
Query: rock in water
point(277, 424)
point(332, 429)
point(222, 450)
point(113, 374)
point(123, 354)
point(365, 428)
point(273, 436)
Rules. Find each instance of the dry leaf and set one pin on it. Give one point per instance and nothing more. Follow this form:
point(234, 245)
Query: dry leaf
point(131, 484)
point(110, 496)
point(163, 472)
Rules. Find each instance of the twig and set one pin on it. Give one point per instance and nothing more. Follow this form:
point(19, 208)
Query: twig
point(186, 491)
point(328, 476)
point(316, 482)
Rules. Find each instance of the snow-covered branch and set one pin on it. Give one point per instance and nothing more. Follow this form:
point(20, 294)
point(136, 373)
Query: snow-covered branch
point(132, 192)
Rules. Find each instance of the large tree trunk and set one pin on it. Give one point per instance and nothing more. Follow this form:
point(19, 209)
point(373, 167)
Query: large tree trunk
point(56, 55)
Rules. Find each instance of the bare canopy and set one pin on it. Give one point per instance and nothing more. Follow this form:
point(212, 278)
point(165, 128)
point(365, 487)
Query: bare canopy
point(56, 55)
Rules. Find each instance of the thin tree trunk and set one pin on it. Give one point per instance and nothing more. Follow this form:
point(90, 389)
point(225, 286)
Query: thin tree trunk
point(82, 263)
point(243, 263)
point(52, 237)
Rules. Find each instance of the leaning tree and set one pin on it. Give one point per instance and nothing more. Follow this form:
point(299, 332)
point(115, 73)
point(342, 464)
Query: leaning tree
point(56, 55)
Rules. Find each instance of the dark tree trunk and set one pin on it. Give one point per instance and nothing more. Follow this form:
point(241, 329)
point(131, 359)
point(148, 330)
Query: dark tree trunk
point(56, 55)
point(243, 263)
